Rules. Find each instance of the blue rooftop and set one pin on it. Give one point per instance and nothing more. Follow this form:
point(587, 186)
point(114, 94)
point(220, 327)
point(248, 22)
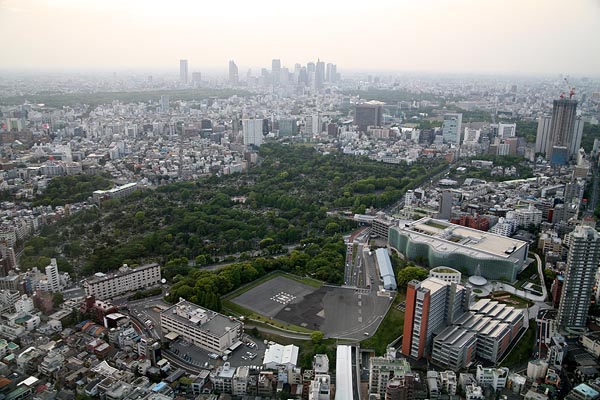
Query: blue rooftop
point(587, 391)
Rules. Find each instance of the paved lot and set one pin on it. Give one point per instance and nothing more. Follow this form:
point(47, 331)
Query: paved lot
point(271, 297)
point(338, 312)
point(200, 358)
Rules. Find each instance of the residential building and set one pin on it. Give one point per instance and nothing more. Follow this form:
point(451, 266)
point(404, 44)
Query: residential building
point(253, 131)
point(240, 381)
point(496, 378)
point(383, 369)
point(53, 276)
point(106, 286)
point(320, 388)
point(582, 262)
point(115, 193)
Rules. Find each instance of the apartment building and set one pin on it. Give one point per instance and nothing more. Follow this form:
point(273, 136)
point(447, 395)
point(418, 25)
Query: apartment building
point(106, 286)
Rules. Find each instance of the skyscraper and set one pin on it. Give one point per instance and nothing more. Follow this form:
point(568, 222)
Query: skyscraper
point(253, 131)
point(368, 114)
point(564, 112)
point(451, 128)
point(183, 71)
point(276, 71)
point(233, 73)
point(319, 74)
point(582, 263)
point(544, 140)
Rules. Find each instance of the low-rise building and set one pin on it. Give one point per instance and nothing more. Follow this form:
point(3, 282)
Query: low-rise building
point(106, 286)
point(202, 327)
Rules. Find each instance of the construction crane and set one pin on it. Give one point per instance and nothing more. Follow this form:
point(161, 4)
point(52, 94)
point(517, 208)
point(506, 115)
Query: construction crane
point(570, 88)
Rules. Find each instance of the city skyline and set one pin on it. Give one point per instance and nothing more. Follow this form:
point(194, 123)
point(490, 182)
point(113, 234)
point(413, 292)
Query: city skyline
point(491, 37)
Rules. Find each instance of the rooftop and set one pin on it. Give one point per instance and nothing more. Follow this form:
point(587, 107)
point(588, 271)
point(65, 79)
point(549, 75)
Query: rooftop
point(449, 237)
point(190, 313)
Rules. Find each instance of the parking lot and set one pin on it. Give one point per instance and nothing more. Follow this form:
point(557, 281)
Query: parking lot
point(251, 353)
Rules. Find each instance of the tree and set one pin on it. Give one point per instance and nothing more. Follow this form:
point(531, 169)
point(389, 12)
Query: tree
point(57, 299)
point(407, 274)
point(317, 337)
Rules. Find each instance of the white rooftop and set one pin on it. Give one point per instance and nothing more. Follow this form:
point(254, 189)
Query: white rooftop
point(281, 355)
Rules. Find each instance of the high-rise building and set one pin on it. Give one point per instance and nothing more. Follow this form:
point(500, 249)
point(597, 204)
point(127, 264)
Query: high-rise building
point(368, 114)
point(319, 74)
point(52, 276)
point(253, 131)
point(562, 126)
point(183, 71)
point(233, 73)
point(164, 103)
point(582, 263)
point(542, 139)
point(312, 125)
point(445, 205)
point(431, 305)
point(331, 73)
point(452, 128)
point(276, 71)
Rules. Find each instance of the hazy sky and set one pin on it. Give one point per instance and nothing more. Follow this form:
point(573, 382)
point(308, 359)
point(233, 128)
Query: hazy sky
point(488, 36)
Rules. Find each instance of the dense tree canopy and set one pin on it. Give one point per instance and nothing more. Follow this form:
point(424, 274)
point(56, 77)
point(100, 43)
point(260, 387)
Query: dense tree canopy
point(70, 189)
point(284, 199)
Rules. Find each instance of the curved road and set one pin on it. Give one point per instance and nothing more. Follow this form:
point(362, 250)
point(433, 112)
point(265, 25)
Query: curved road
point(541, 274)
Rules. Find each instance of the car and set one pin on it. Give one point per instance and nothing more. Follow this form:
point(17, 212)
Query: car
point(366, 333)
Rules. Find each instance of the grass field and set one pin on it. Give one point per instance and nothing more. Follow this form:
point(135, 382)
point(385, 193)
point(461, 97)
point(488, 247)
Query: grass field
point(389, 330)
point(511, 300)
point(522, 351)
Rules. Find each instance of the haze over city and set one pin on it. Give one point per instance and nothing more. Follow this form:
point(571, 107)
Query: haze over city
point(509, 37)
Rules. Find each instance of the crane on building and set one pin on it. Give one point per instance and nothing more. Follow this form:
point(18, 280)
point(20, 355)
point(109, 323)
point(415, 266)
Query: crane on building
point(570, 88)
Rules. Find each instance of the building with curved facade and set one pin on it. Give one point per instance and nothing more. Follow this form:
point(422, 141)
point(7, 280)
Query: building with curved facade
point(441, 243)
point(446, 274)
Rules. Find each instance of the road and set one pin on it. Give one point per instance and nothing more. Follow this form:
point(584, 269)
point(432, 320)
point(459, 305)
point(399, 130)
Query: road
point(278, 332)
point(541, 274)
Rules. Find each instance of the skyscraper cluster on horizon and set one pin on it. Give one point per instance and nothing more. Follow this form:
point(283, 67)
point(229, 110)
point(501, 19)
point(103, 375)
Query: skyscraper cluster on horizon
point(312, 75)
